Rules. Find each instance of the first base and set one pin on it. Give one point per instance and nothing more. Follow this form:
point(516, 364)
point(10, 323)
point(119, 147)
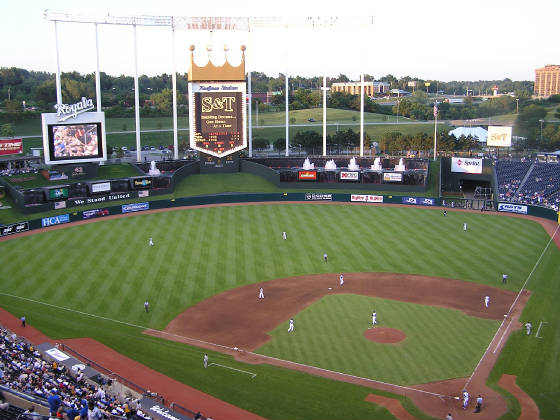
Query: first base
point(330, 288)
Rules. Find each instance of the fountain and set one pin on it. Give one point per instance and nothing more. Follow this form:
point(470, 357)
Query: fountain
point(308, 165)
point(400, 166)
point(153, 170)
point(377, 164)
point(352, 165)
point(330, 165)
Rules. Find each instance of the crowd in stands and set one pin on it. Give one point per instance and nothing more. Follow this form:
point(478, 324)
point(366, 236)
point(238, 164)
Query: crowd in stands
point(528, 182)
point(68, 395)
point(17, 171)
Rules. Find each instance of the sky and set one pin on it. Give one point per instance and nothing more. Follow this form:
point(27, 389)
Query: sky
point(432, 40)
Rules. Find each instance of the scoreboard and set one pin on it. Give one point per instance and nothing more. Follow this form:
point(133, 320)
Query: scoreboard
point(217, 117)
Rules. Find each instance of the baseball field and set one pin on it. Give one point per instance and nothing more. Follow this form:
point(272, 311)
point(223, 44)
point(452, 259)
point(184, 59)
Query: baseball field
point(91, 280)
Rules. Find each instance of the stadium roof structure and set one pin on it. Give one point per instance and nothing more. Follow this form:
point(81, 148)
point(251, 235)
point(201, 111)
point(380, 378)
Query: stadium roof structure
point(476, 132)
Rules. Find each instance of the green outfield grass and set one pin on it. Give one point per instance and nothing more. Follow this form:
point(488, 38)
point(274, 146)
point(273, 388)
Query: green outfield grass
point(107, 269)
point(440, 343)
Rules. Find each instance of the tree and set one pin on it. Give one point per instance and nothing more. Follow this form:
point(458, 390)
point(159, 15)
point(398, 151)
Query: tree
point(163, 101)
point(279, 144)
point(260, 143)
point(528, 122)
point(7, 130)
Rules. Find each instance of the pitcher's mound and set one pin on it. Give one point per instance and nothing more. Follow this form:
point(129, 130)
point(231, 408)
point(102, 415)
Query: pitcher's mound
point(384, 335)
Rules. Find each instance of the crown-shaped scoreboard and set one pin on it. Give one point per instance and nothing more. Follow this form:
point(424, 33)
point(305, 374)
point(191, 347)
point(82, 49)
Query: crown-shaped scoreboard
point(217, 112)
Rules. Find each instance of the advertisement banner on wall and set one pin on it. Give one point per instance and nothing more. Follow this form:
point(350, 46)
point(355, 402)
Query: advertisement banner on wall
point(317, 196)
point(349, 176)
point(419, 201)
point(14, 228)
point(392, 177)
point(499, 136)
point(307, 175)
point(90, 214)
point(129, 208)
point(366, 198)
point(55, 220)
point(512, 208)
point(11, 146)
point(466, 165)
point(101, 187)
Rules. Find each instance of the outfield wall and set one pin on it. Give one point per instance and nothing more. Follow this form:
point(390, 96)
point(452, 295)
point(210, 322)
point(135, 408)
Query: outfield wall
point(231, 198)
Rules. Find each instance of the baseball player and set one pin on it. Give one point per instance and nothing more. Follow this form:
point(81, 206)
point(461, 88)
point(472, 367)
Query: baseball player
point(528, 327)
point(284, 235)
point(465, 227)
point(486, 300)
point(374, 318)
point(445, 212)
point(147, 306)
point(341, 279)
point(465, 399)
point(325, 257)
point(291, 327)
point(261, 293)
point(504, 278)
point(150, 241)
point(205, 360)
point(478, 404)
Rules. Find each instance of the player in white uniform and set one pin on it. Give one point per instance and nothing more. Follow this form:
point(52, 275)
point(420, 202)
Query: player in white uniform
point(261, 293)
point(284, 235)
point(486, 301)
point(325, 257)
point(465, 226)
point(205, 360)
point(150, 241)
point(341, 279)
point(291, 327)
point(374, 318)
point(465, 399)
point(147, 306)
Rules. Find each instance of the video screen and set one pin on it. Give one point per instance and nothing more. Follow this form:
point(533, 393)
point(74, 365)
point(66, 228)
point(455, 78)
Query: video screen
point(75, 141)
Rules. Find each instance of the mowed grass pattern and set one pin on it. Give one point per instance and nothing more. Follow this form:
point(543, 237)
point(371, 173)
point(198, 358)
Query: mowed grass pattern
point(440, 344)
point(201, 252)
point(108, 269)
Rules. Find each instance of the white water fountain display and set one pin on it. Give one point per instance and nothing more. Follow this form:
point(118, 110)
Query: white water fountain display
point(376, 164)
point(330, 165)
point(352, 165)
point(308, 165)
point(153, 170)
point(400, 166)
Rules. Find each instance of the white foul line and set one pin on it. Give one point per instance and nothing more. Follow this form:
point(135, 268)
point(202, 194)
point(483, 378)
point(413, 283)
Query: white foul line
point(232, 368)
point(538, 330)
point(510, 309)
point(226, 347)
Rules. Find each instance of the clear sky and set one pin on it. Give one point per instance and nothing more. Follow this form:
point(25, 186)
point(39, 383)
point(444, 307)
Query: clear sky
point(434, 39)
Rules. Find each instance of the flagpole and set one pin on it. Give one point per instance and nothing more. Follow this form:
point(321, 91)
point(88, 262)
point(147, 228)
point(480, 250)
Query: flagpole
point(435, 129)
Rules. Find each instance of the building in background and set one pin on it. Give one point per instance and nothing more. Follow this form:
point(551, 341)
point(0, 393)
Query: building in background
point(547, 81)
point(353, 88)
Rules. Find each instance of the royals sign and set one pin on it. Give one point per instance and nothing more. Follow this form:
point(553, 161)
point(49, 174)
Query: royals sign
point(65, 111)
